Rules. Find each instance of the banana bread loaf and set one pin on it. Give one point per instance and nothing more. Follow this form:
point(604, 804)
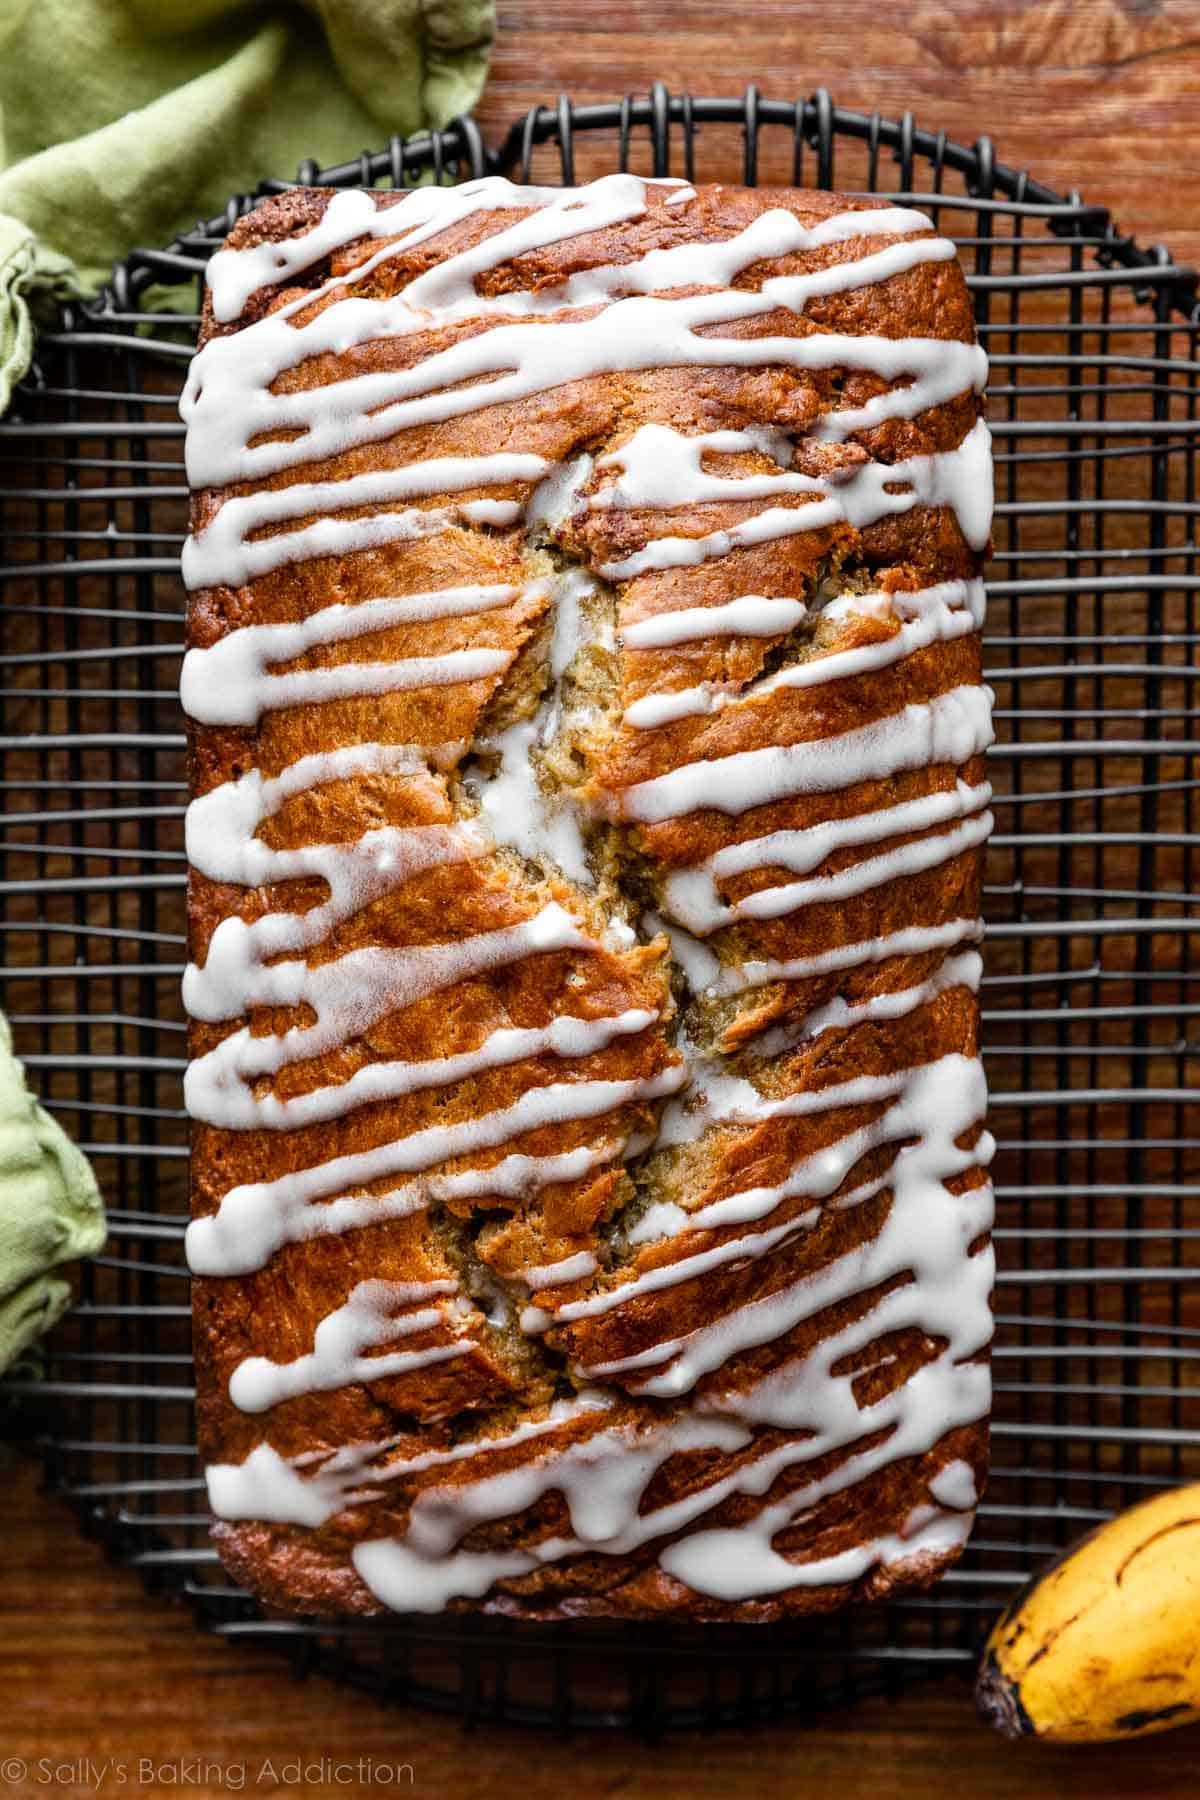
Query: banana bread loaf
point(590, 1211)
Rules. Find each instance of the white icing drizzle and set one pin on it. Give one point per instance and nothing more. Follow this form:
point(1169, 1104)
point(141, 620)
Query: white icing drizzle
point(752, 615)
point(233, 275)
point(568, 1268)
point(570, 634)
point(957, 971)
point(662, 468)
point(225, 553)
point(743, 1249)
point(221, 835)
point(927, 1233)
point(601, 1479)
point(712, 1094)
point(372, 1315)
point(763, 1321)
point(814, 1177)
point(700, 967)
point(874, 871)
point(950, 728)
point(653, 710)
point(954, 1486)
point(938, 614)
point(911, 940)
point(348, 995)
point(913, 1094)
point(559, 1102)
point(243, 431)
point(260, 1210)
point(230, 683)
point(717, 264)
point(691, 896)
point(519, 811)
point(736, 1566)
point(555, 499)
point(803, 851)
point(255, 1220)
point(228, 400)
point(269, 1486)
point(958, 478)
point(539, 820)
point(565, 1036)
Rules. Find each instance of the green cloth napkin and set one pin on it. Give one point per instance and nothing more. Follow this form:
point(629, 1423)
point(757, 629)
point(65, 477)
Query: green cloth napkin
point(124, 121)
point(50, 1210)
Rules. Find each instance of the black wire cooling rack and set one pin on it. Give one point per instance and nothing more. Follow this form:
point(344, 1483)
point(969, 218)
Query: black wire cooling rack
point(1092, 991)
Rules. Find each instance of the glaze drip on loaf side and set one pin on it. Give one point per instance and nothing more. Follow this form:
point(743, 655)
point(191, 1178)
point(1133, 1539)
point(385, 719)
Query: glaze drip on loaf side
point(590, 1210)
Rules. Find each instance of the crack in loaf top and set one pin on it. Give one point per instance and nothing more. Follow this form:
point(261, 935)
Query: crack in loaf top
point(587, 734)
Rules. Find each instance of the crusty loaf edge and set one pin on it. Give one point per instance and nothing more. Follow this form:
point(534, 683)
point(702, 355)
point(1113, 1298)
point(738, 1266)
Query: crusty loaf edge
point(287, 1571)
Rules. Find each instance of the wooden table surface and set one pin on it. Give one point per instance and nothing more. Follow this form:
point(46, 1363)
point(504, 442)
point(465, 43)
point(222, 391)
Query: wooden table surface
point(91, 1669)
point(94, 1676)
point(1099, 95)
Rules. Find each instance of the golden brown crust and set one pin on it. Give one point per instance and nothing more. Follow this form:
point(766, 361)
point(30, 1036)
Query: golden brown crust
point(509, 1376)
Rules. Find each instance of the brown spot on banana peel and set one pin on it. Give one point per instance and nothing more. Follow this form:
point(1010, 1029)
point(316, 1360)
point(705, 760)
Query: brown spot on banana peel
point(1156, 1719)
point(1051, 1638)
point(1166, 1530)
point(1011, 1625)
point(1011, 1621)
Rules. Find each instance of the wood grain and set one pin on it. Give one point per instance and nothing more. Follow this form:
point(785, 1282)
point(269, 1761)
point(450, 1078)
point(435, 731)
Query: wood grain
point(1098, 95)
point(90, 1667)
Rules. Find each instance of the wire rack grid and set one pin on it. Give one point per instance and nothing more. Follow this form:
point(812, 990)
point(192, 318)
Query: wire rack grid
point(1092, 991)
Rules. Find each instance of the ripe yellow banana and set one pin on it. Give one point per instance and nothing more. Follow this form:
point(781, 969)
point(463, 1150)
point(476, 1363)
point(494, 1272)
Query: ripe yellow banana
point(1106, 1643)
